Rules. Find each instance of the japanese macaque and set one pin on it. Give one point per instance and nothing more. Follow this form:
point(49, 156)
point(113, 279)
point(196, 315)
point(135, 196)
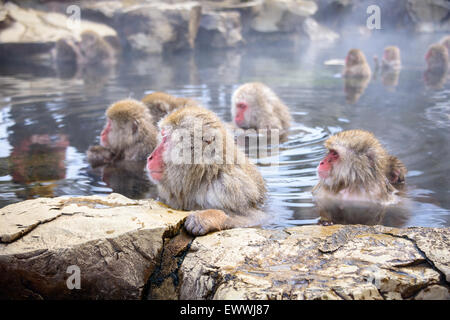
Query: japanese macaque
point(161, 104)
point(91, 50)
point(437, 58)
point(357, 178)
point(356, 65)
point(197, 166)
point(391, 59)
point(256, 106)
point(435, 75)
point(94, 49)
point(129, 134)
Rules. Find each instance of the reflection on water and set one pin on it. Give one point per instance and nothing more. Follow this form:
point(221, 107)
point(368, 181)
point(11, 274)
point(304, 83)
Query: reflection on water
point(48, 119)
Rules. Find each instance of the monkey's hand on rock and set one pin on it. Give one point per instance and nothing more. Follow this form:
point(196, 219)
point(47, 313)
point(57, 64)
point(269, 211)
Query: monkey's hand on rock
point(202, 222)
point(98, 155)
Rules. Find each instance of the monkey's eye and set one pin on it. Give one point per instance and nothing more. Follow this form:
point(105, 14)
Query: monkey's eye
point(241, 105)
point(334, 155)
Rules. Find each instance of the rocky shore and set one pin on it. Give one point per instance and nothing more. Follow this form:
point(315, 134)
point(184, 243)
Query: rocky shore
point(138, 249)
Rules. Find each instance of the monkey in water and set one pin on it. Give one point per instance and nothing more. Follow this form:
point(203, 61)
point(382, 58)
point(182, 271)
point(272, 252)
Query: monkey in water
point(255, 106)
point(161, 104)
point(358, 178)
point(129, 134)
point(390, 66)
point(91, 50)
point(356, 65)
point(228, 190)
point(437, 59)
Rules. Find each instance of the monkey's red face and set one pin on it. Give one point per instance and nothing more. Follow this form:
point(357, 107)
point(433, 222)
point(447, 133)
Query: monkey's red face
point(155, 162)
point(241, 109)
point(327, 164)
point(104, 141)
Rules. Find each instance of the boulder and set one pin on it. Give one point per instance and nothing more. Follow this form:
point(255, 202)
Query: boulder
point(220, 29)
point(115, 243)
point(429, 15)
point(29, 31)
point(112, 247)
point(149, 27)
point(316, 262)
point(281, 15)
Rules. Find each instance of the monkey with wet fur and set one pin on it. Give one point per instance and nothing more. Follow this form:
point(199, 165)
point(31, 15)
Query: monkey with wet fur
point(129, 134)
point(255, 106)
point(161, 104)
point(228, 190)
point(356, 65)
point(357, 175)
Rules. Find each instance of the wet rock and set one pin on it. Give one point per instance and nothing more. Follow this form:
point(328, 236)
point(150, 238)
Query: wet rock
point(115, 242)
point(28, 31)
point(151, 27)
point(282, 15)
point(220, 29)
point(429, 16)
point(316, 262)
point(137, 249)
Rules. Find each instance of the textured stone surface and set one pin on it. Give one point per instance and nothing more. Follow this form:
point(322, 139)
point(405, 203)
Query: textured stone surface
point(316, 262)
point(115, 241)
point(137, 249)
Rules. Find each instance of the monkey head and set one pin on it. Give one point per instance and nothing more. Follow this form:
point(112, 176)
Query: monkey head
point(437, 57)
point(391, 53)
point(355, 161)
point(253, 106)
point(355, 57)
point(191, 139)
point(123, 124)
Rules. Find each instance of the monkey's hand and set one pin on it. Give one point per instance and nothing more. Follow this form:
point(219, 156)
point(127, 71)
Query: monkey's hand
point(205, 221)
point(98, 155)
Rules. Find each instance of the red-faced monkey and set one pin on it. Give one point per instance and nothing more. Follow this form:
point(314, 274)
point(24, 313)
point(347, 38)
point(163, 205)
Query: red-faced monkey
point(129, 134)
point(256, 106)
point(209, 173)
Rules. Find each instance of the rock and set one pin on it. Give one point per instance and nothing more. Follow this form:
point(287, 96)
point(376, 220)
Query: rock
point(220, 29)
point(429, 15)
point(116, 242)
point(137, 249)
point(28, 31)
point(282, 15)
point(316, 262)
point(151, 27)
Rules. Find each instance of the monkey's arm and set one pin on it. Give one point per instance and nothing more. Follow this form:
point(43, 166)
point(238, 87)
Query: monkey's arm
point(98, 155)
point(206, 221)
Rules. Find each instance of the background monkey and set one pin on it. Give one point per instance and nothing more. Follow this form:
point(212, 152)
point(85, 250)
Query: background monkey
point(353, 179)
point(391, 59)
point(356, 65)
point(161, 104)
point(235, 186)
point(129, 134)
point(255, 106)
point(436, 58)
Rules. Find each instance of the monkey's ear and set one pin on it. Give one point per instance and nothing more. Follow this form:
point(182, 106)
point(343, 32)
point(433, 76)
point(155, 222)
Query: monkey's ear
point(134, 126)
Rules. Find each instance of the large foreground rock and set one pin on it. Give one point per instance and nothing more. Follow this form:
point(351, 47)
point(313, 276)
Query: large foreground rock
point(316, 262)
point(28, 31)
point(137, 249)
point(115, 242)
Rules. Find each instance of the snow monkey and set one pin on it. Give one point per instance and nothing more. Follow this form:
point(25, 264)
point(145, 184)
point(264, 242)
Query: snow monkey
point(228, 190)
point(161, 104)
point(356, 65)
point(129, 134)
point(357, 175)
point(255, 106)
